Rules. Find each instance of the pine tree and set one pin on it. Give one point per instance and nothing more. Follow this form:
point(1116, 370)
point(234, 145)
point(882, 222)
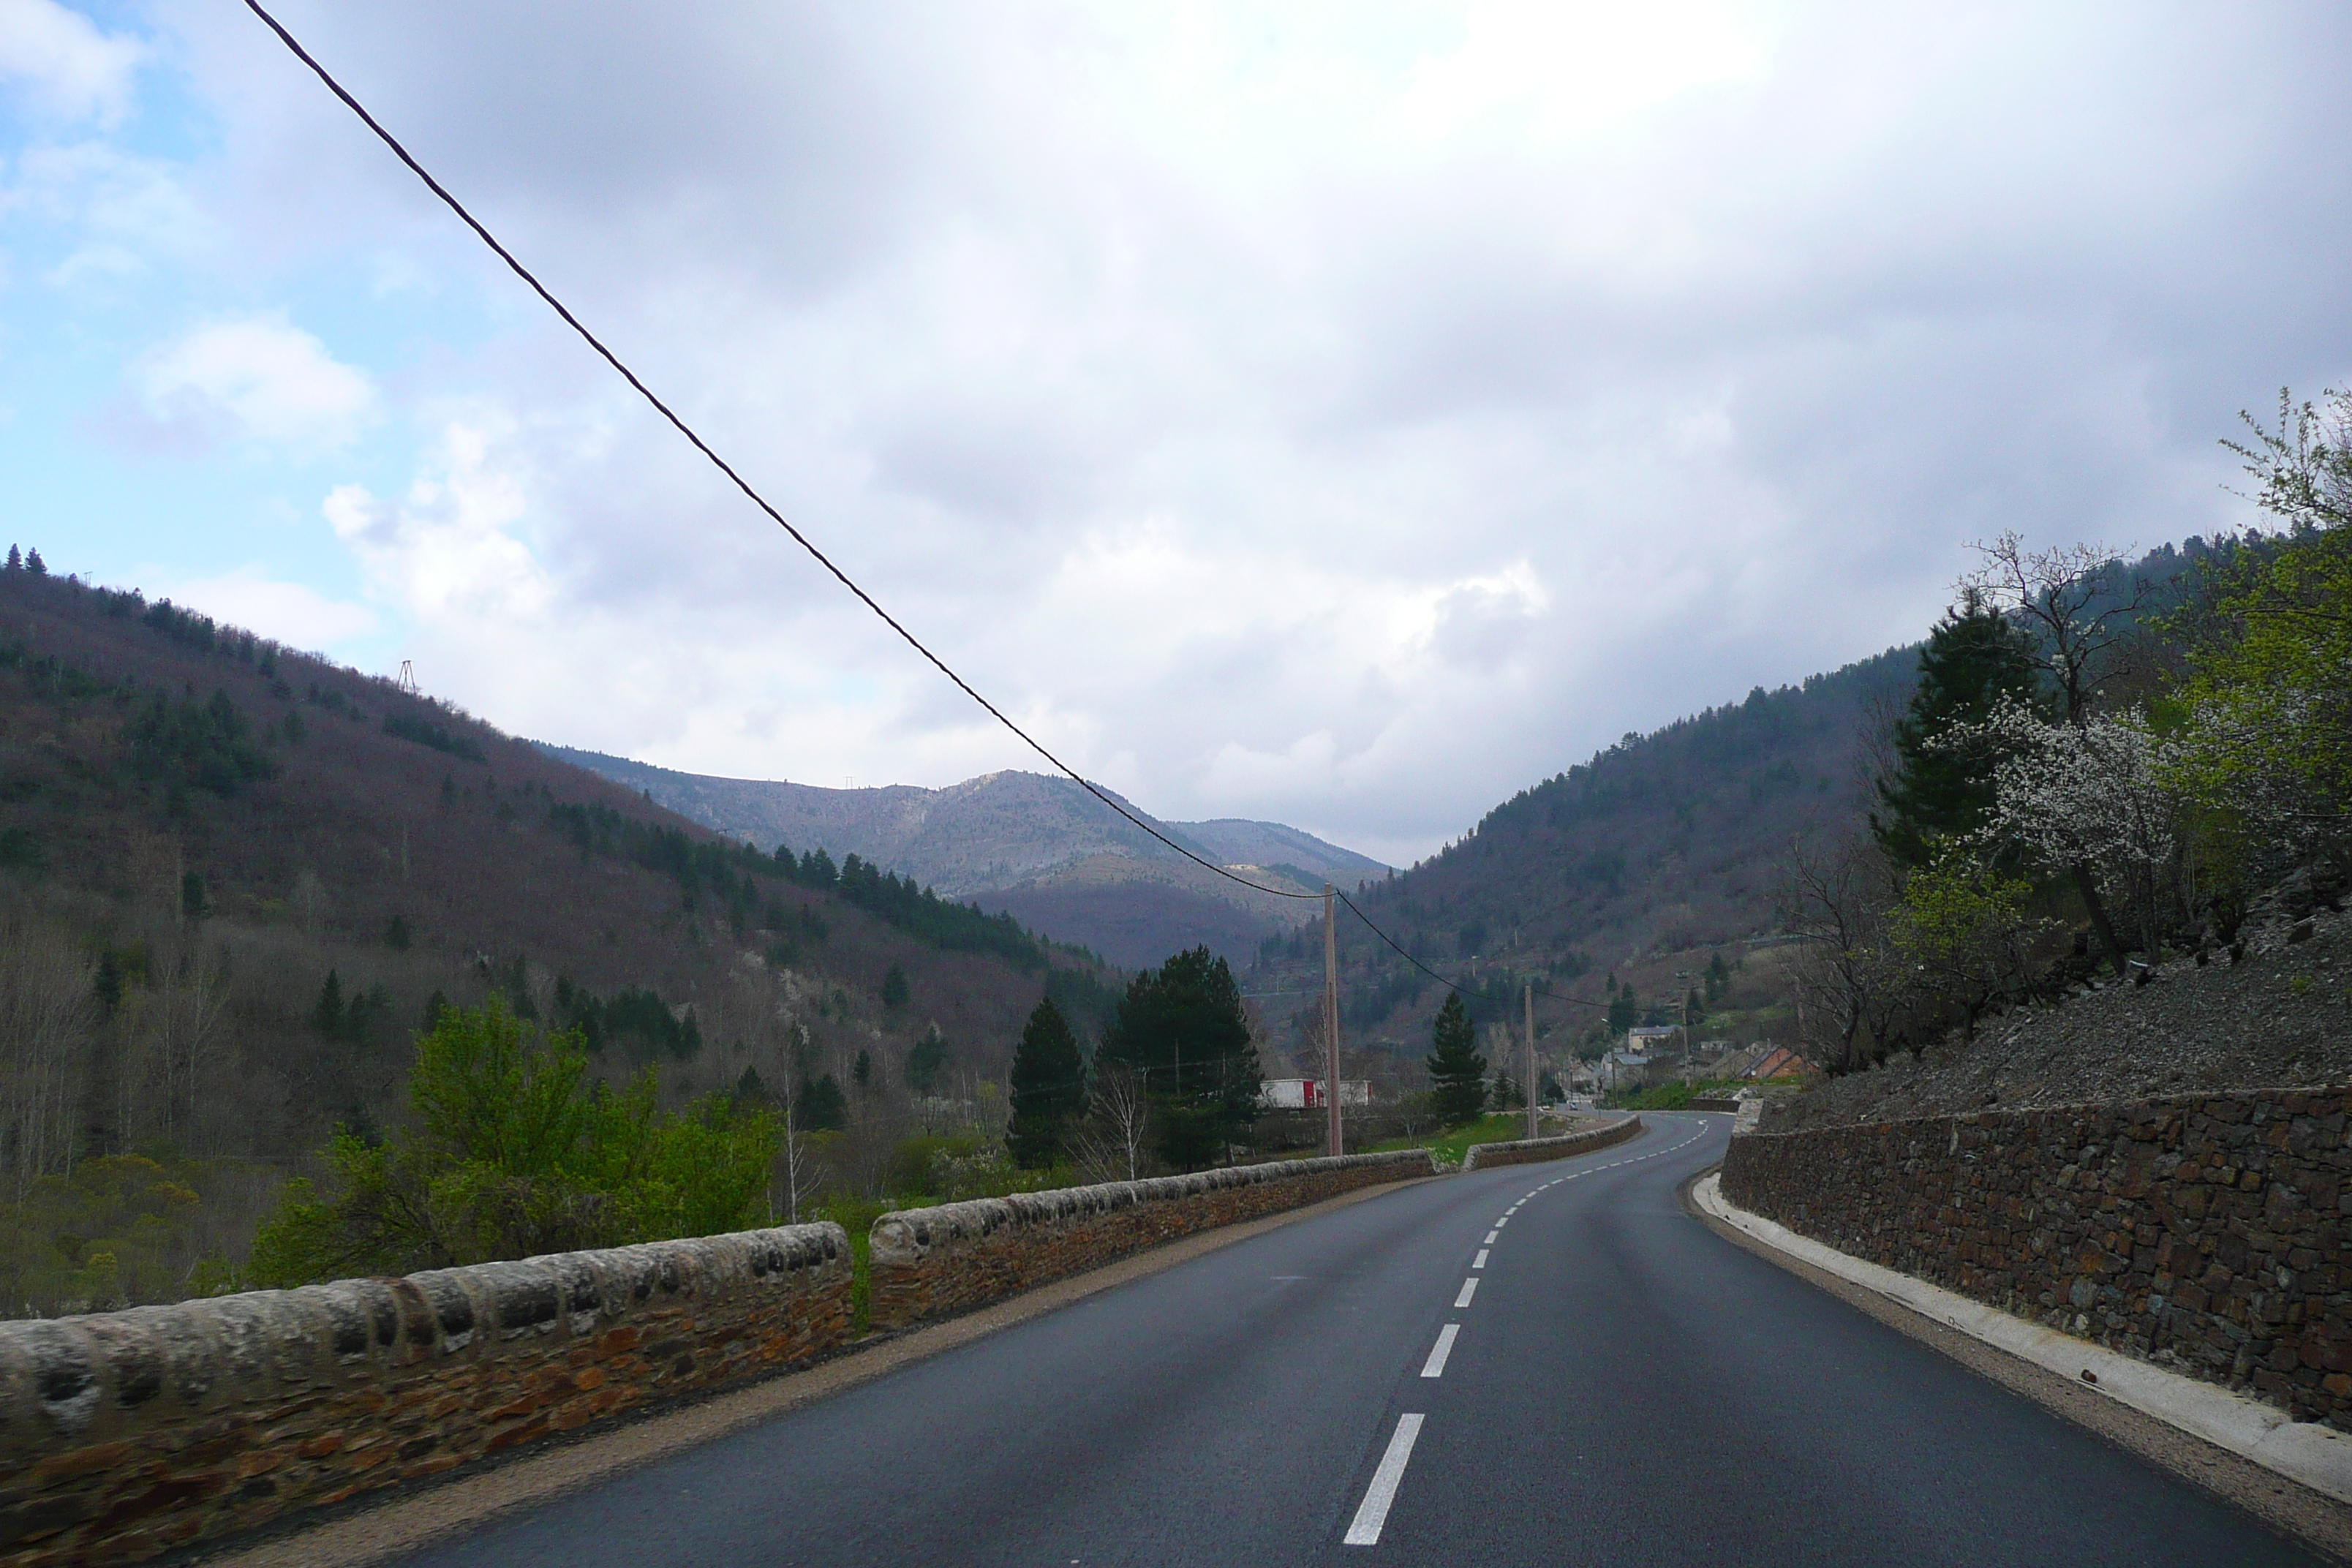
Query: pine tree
point(395, 934)
point(1457, 1073)
point(1049, 1088)
point(1974, 657)
point(822, 1106)
point(862, 1070)
point(895, 989)
point(1183, 1029)
point(16, 561)
point(1507, 1094)
point(927, 1058)
point(34, 565)
point(327, 1013)
point(192, 896)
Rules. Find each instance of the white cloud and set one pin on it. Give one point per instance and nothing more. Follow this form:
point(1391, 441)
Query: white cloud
point(446, 552)
point(258, 377)
point(1340, 412)
point(65, 68)
point(291, 613)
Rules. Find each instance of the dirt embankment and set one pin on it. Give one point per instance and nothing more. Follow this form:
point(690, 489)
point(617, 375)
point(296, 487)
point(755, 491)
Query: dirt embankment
point(2281, 1016)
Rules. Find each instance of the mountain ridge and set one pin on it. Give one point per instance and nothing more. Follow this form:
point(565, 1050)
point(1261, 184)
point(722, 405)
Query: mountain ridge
point(1038, 846)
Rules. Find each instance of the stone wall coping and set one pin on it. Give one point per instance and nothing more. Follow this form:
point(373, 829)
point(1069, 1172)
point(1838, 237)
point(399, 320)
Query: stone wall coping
point(1559, 1141)
point(908, 1236)
point(83, 1378)
point(2176, 1104)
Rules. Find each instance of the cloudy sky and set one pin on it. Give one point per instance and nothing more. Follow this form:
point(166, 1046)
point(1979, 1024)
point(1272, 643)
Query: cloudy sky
point(1339, 414)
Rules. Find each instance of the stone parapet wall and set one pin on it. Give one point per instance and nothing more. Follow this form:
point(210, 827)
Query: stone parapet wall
point(930, 1263)
point(2207, 1233)
point(1530, 1151)
point(123, 1435)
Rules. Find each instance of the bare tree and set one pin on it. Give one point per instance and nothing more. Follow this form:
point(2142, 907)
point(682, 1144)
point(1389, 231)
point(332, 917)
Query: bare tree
point(1850, 988)
point(311, 903)
point(47, 1017)
point(797, 1165)
point(187, 996)
point(1112, 1141)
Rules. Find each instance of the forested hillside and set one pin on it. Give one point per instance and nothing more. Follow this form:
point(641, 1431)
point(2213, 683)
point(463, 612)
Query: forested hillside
point(1661, 845)
point(236, 879)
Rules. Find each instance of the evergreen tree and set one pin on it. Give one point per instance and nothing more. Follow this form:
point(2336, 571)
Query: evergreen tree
point(1181, 1028)
point(1507, 1094)
point(108, 983)
point(1457, 1073)
point(1974, 657)
point(34, 565)
point(16, 561)
point(862, 1070)
point(822, 1106)
point(1049, 1088)
point(927, 1058)
point(895, 989)
point(192, 896)
point(327, 1013)
point(395, 934)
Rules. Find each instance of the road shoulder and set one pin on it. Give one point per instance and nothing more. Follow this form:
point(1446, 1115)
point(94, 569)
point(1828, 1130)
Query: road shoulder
point(1951, 1325)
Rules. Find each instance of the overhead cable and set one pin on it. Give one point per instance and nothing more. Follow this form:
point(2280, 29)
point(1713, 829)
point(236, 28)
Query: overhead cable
point(515, 266)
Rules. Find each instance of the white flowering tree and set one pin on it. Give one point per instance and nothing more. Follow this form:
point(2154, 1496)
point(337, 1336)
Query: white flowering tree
point(2098, 799)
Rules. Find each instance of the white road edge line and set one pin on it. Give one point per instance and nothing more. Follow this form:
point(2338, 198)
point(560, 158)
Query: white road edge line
point(1435, 1365)
point(1374, 1513)
point(1469, 1289)
point(1479, 1261)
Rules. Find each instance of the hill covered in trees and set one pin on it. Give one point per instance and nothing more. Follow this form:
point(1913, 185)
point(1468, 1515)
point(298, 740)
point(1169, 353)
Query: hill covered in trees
point(236, 879)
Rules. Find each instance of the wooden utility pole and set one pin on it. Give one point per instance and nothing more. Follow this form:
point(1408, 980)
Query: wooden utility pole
point(1532, 1059)
point(1331, 1019)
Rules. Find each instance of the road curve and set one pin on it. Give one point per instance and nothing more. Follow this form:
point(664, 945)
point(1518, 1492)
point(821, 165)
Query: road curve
point(1618, 1385)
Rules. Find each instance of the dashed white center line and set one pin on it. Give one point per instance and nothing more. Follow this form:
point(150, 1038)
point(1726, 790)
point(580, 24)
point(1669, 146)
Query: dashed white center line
point(1490, 1238)
point(1374, 1513)
point(1469, 1289)
point(1435, 1365)
point(1502, 1221)
point(1479, 1261)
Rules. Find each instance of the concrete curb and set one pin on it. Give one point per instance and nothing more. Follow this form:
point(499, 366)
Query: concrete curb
point(2304, 1452)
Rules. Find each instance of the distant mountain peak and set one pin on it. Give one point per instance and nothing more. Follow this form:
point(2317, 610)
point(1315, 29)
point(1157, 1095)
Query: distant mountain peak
point(1070, 865)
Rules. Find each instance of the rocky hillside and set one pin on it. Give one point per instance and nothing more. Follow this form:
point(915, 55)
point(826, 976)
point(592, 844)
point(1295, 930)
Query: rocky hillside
point(1040, 847)
point(2279, 1017)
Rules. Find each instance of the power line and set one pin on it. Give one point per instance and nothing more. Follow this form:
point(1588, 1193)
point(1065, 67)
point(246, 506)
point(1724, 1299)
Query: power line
point(741, 483)
point(819, 556)
point(1450, 985)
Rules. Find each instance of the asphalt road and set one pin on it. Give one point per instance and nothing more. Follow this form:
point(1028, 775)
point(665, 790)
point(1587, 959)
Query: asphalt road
point(1618, 1386)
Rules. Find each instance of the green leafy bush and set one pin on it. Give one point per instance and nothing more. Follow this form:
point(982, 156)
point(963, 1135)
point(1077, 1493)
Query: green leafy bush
point(514, 1151)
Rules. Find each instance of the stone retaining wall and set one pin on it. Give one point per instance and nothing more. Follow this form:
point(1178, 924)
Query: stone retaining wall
point(2207, 1233)
point(126, 1434)
point(1529, 1151)
point(929, 1263)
